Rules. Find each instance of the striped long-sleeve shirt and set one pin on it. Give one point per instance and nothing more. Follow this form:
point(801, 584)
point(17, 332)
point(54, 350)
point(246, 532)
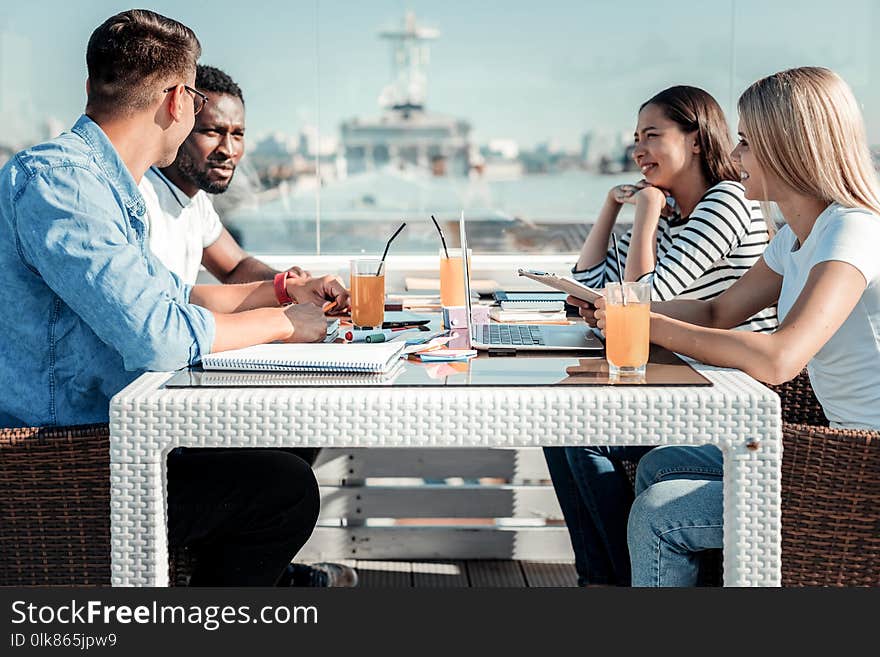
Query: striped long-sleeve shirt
point(700, 256)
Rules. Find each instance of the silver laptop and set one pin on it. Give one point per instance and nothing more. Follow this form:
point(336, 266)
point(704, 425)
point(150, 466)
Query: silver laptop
point(522, 337)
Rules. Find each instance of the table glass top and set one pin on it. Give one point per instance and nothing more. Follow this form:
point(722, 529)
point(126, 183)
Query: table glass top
point(664, 369)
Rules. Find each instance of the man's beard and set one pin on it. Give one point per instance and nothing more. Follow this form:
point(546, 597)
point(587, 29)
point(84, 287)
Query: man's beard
point(200, 176)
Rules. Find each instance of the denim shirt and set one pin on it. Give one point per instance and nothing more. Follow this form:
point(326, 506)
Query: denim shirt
point(84, 305)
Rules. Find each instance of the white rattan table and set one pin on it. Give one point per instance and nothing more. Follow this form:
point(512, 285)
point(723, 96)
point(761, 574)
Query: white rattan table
point(738, 414)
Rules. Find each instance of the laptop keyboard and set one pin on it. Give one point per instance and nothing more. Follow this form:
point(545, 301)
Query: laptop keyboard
point(512, 334)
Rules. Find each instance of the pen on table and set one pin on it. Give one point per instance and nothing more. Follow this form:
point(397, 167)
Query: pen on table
point(330, 305)
point(380, 335)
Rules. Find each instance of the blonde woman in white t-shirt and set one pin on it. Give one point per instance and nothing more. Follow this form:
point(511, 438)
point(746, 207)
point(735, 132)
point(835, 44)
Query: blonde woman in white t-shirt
point(802, 145)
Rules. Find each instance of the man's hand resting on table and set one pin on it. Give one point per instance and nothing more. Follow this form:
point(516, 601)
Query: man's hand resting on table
point(319, 291)
point(307, 323)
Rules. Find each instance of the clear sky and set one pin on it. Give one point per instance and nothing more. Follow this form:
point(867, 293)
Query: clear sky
point(520, 69)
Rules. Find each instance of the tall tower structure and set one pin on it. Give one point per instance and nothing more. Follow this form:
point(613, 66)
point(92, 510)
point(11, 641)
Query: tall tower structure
point(406, 135)
point(408, 89)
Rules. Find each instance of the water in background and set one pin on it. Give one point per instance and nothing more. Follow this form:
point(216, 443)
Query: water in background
point(548, 213)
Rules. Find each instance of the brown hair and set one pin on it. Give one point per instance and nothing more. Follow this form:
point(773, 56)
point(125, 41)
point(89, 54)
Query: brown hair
point(695, 110)
point(131, 55)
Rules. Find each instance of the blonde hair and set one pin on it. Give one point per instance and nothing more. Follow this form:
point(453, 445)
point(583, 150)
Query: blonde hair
point(805, 127)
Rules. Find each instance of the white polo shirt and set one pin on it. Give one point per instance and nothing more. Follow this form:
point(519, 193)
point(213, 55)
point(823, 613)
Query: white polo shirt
point(179, 228)
point(845, 373)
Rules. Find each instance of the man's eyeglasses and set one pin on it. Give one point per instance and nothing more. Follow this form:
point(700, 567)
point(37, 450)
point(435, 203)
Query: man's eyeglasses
point(199, 99)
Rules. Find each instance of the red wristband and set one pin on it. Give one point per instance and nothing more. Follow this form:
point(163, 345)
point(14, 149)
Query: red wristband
point(281, 288)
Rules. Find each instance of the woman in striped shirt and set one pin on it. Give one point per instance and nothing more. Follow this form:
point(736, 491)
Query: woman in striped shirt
point(709, 235)
point(694, 233)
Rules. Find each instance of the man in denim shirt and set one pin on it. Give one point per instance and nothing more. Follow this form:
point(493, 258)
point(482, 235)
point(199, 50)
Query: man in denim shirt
point(88, 307)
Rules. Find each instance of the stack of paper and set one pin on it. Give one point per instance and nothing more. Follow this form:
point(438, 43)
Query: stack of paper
point(478, 285)
point(411, 301)
point(531, 316)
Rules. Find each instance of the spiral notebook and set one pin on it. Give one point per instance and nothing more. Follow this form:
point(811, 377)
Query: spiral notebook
point(199, 378)
point(322, 357)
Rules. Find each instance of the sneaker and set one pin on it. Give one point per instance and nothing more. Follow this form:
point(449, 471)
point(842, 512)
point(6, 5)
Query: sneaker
point(322, 575)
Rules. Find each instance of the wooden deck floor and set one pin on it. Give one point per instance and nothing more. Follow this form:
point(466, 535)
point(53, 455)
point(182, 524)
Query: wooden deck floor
point(463, 574)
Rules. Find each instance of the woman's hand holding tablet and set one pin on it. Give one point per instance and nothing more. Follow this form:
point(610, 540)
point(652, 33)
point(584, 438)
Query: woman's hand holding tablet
point(563, 284)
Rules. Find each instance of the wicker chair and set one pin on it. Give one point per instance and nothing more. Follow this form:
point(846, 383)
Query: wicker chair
point(55, 506)
point(830, 496)
point(55, 509)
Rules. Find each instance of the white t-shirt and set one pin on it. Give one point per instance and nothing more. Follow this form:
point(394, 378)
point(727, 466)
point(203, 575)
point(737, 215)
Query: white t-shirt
point(178, 227)
point(846, 372)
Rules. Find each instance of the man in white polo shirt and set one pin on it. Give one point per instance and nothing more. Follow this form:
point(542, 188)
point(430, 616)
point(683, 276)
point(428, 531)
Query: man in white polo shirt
point(184, 229)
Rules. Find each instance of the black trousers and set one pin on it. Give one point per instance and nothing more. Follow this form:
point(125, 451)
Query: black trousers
point(244, 513)
point(307, 454)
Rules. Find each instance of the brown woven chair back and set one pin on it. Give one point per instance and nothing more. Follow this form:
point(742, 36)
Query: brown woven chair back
point(830, 496)
point(830, 507)
point(55, 506)
point(799, 403)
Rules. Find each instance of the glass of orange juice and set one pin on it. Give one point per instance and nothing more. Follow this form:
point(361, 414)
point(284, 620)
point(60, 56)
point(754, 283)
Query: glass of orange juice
point(367, 293)
point(452, 277)
point(627, 328)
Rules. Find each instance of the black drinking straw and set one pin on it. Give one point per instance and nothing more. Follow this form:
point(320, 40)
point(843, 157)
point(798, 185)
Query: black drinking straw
point(388, 246)
point(619, 267)
point(442, 237)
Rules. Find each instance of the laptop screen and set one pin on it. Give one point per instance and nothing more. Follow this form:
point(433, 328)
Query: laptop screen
point(466, 269)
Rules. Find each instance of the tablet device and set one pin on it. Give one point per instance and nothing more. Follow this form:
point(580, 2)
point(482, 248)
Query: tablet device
point(397, 318)
point(563, 284)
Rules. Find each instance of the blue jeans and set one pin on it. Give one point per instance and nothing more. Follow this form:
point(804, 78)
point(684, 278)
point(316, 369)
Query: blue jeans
point(677, 513)
point(595, 495)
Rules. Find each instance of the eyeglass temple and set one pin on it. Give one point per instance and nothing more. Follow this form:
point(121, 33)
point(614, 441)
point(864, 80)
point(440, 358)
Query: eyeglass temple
point(197, 96)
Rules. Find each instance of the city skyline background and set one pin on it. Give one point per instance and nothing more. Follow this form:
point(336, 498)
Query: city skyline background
point(527, 121)
point(535, 75)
